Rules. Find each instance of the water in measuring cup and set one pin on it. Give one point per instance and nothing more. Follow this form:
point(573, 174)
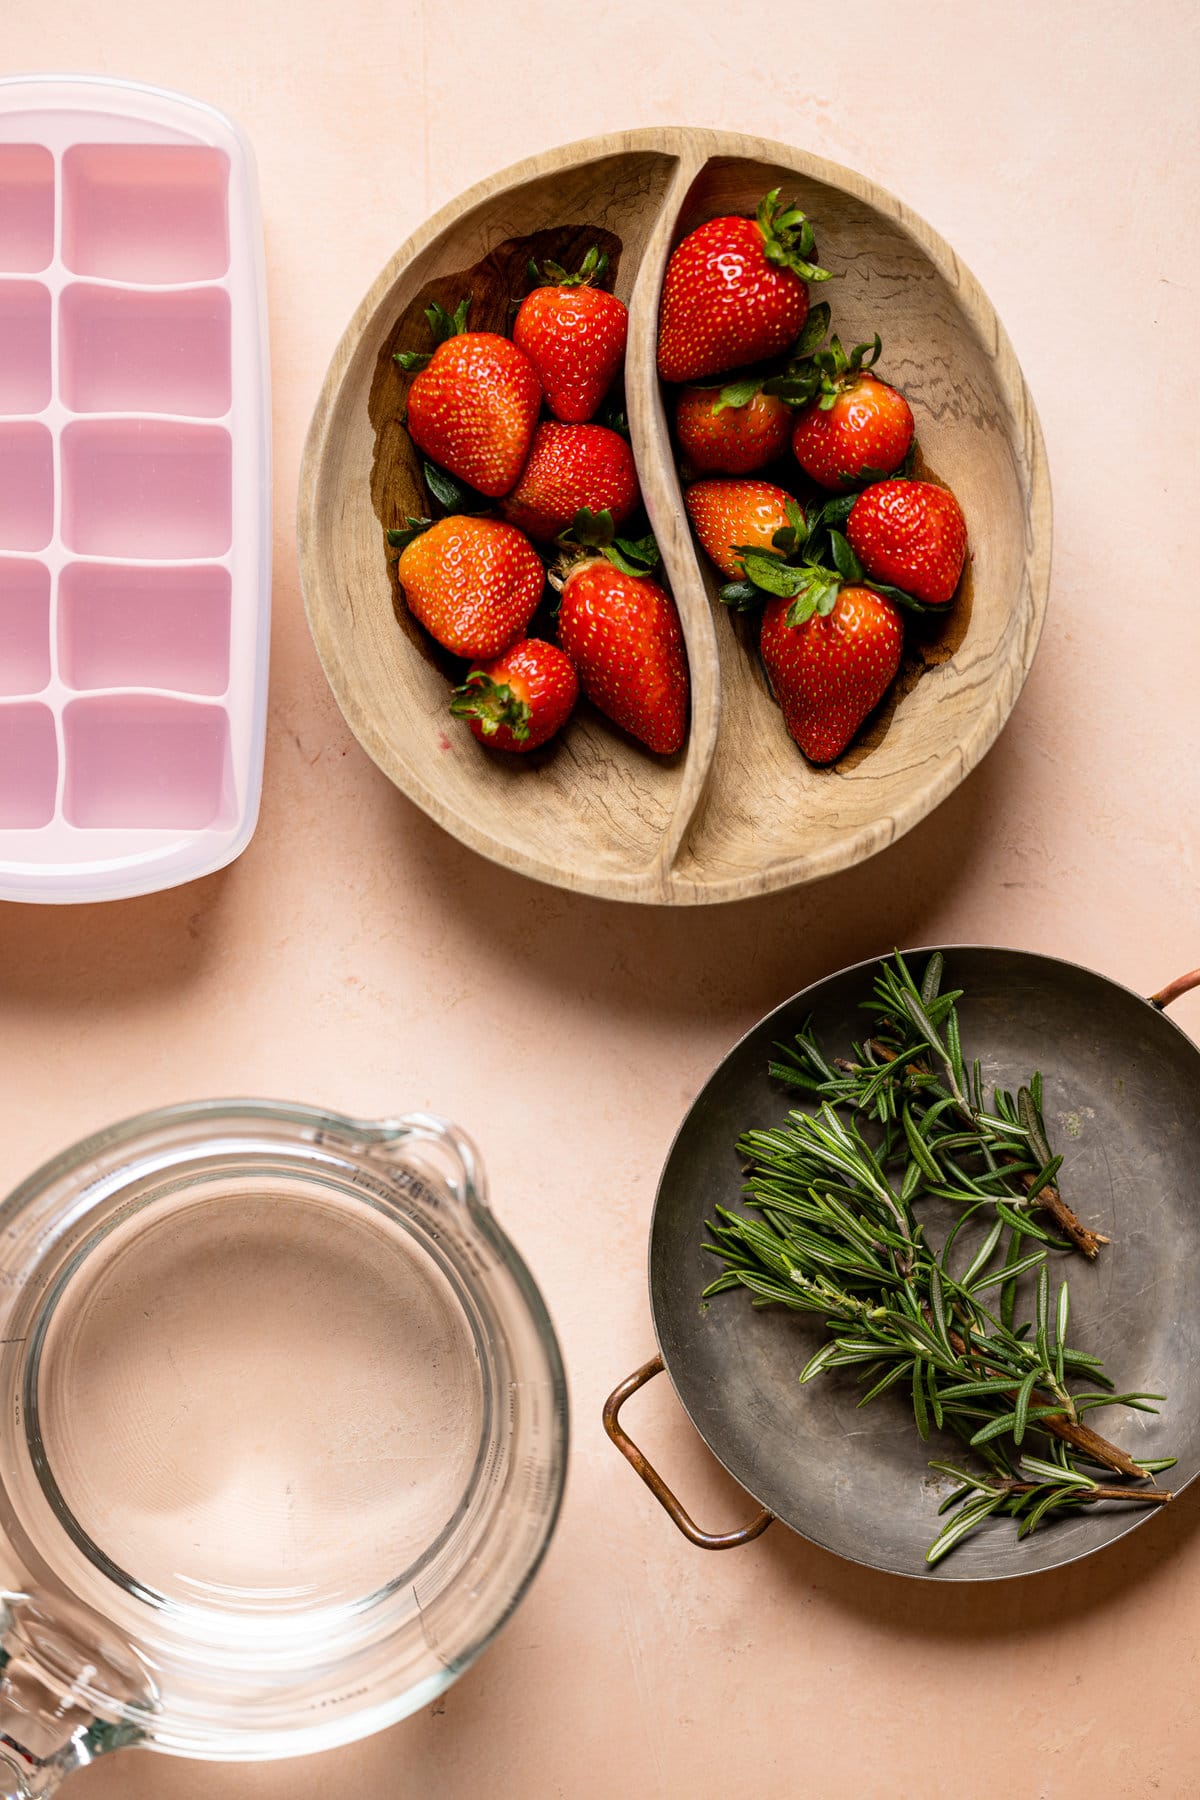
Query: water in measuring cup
point(259, 1403)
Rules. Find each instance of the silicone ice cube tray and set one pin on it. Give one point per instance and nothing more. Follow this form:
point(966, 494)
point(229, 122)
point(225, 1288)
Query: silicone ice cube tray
point(134, 490)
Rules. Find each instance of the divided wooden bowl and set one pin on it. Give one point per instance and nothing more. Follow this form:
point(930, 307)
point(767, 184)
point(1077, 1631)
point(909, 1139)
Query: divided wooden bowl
point(738, 811)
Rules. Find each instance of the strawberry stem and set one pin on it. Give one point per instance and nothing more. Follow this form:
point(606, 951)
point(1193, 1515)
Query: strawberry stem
point(788, 240)
point(492, 704)
point(552, 274)
point(442, 325)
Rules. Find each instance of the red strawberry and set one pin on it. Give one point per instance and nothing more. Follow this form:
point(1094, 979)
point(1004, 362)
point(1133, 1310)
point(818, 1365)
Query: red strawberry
point(858, 428)
point(569, 467)
point(521, 699)
point(833, 670)
point(473, 583)
point(726, 514)
point(720, 439)
point(735, 292)
point(622, 632)
point(911, 535)
point(473, 407)
point(574, 335)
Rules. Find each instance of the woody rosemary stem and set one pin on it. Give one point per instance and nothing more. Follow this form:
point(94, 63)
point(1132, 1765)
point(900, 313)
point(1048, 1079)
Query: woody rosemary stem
point(834, 1224)
point(1049, 1198)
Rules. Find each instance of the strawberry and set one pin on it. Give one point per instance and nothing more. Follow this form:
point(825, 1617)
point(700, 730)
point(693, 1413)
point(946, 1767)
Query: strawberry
point(735, 292)
point(622, 632)
point(729, 515)
point(574, 335)
point(474, 404)
point(521, 699)
point(720, 439)
point(833, 669)
point(569, 467)
point(911, 534)
point(859, 428)
point(473, 583)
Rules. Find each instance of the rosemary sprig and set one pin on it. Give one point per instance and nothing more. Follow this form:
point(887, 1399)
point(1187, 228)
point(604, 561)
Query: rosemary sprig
point(833, 1230)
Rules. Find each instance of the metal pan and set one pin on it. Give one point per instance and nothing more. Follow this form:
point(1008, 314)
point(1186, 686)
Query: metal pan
point(1122, 1086)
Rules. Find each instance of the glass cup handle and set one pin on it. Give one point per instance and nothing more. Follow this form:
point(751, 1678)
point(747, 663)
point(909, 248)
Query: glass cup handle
point(51, 1662)
point(454, 1157)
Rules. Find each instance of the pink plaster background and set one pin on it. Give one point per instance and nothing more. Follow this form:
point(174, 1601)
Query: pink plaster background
point(356, 956)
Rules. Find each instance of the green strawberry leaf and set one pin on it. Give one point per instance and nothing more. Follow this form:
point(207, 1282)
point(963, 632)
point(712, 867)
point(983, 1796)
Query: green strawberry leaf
point(771, 572)
point(452, 493)
point(591, 530)
point(400, 539)
point(446, 325)
point(796, 519)
point(909, 602)
point(788, 240)
point(813, 335)
point(802, 609)
point(491, 704)
point(818, 595)
point(613, 414)
point(742, 596)
point(628, 565)
point(848, 565)
point(738, 393)
point(552, 274)
point(835, 511)
point(413, 360)
point(795, 387)
point(643, 550)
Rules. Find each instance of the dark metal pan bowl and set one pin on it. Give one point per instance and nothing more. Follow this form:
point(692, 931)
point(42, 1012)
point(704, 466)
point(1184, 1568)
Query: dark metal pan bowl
point(1122, 1105)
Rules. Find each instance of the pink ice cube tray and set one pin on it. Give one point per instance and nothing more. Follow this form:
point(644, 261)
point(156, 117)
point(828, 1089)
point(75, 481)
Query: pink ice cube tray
point(134, 490)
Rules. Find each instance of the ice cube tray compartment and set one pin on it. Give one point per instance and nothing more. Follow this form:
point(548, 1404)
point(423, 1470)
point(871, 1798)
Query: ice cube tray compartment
point(134, 625)
point(143, 759)
point(125, 350)
point(26, 206)
point(24, 346)
point(24, 626)
point(145, 212)
point(139, 488)
point(134, 490)
point(28, 766)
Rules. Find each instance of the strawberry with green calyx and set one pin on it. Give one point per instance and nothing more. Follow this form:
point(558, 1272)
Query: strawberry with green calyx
point(474, 403)
point(591, 531)
point(723, 437)
point(521, 699)
point(856, 428)
point(569, 467)
point(622, 633)
point(799, 566)
point(830, 644)
point(473, 583)
point(736, 292)
point(830, 667)
point(911, 533)
point(573, 333)
point(730, 517)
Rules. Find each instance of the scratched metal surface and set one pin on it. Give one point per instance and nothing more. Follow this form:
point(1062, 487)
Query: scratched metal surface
point(1122, 1099)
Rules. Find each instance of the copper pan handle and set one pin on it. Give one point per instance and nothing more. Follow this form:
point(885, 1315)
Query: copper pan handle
point(705, 1540)
point(1183, 984)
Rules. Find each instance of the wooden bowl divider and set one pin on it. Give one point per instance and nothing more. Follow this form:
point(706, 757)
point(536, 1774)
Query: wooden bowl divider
point(738, 811)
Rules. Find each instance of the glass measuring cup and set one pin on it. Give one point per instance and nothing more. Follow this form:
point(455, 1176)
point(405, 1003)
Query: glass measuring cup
point(282, 1437)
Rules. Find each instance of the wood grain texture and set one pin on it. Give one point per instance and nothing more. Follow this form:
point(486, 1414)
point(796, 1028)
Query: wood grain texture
point(738, 811)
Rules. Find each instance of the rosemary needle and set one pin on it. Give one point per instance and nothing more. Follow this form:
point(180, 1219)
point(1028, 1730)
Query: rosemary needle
point(834, 1230)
